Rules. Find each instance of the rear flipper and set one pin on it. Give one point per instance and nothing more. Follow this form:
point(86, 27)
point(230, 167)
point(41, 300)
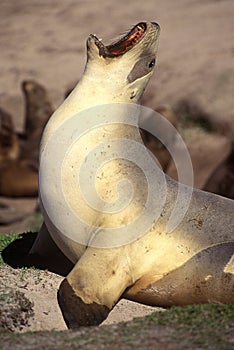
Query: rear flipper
point(46, 254)
point(208, 277)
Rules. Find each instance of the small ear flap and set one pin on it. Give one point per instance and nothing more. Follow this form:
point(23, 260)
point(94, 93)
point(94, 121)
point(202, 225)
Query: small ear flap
point(92, 46)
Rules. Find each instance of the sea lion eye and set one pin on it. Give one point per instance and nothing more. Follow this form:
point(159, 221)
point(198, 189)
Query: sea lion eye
point(152, 63)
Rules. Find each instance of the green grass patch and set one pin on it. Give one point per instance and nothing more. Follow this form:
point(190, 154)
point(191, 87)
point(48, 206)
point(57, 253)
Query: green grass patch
point(194, 315)
point(5, 240)
point(209, 326)
point(206, 324)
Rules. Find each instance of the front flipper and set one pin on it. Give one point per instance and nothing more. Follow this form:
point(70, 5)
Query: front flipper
point(94, 286)
point(76, 312)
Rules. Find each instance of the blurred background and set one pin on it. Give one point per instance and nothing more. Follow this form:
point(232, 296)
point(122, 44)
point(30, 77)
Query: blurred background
point(43, 54)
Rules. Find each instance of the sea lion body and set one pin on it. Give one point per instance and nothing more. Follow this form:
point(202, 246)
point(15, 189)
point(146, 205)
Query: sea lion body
point(18, 178)
point(191, 264)
point(19, 154)
point(38, 110)
point(9, 145)
point(38, 107)
point(222, 179)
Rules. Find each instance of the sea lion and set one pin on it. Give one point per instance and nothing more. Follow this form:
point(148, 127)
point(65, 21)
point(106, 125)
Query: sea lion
point(19, 154)
point(9, 144)
point(193, 263)
point(38, 106)
point(222, 179)
point(17, 176)
point(38, 109)
point(202, 147)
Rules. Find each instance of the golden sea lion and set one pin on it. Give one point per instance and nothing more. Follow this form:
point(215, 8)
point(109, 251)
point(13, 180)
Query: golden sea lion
point(125, 248)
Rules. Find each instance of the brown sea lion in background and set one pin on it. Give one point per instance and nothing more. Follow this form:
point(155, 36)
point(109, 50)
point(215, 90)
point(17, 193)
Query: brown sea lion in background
point(207, 152)
point(222, 180)
point(18, 178)
point(19, 158)
point(9, 144)
point(38, 106)
point(38, 109)
point(208, 145)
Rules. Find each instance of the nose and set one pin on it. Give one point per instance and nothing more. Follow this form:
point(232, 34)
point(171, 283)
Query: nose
point(156, 25)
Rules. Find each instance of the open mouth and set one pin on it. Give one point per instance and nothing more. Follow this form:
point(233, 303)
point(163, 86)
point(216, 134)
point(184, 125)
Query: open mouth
point(124, 44)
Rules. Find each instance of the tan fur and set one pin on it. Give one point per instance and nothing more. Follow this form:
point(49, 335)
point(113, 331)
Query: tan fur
point(159, 267)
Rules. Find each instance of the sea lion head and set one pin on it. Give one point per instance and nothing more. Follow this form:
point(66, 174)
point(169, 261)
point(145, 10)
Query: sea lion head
point(124, 66)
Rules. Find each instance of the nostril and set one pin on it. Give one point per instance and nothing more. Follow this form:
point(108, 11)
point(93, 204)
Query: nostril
point(156, 25)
